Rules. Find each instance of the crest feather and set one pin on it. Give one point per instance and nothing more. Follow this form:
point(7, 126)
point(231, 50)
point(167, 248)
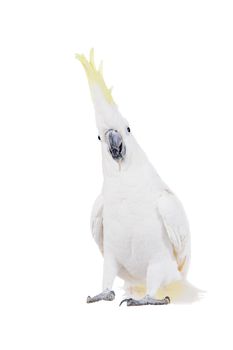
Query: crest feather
point(95, 76)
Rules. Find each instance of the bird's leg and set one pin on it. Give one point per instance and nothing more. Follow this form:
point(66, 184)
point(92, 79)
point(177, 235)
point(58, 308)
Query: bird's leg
point(110, 272)
point(154, 277)
point(107, 295)
point(147, 300)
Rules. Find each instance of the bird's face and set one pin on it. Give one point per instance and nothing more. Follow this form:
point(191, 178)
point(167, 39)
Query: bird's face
point(114, 143)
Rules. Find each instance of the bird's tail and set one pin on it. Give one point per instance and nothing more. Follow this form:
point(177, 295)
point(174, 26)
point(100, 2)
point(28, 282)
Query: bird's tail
point(180, 292)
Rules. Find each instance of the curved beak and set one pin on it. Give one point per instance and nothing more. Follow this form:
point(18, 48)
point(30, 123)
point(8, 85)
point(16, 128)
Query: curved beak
point(115, 144)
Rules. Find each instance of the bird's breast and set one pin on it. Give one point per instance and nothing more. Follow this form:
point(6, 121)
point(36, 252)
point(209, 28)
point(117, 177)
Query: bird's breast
point(133, 230)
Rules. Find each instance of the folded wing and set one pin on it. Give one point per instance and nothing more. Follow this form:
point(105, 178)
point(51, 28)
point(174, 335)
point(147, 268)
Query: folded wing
point(177, 228)
point(97, 222)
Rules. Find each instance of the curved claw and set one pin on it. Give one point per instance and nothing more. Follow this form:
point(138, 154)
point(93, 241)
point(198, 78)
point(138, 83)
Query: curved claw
point(88, 299)
point(127, 299)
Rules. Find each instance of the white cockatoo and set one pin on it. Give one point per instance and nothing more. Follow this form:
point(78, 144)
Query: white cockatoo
point(137, 222)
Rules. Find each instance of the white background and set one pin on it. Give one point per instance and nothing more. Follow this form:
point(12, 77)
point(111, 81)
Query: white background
point(170, 63)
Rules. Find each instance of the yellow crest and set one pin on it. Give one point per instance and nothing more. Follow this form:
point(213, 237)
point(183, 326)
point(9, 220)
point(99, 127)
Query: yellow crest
point(95, 76)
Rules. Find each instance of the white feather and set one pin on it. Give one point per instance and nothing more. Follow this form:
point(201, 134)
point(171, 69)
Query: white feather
point(97, 222)
point(177, 227)
point(138, 223)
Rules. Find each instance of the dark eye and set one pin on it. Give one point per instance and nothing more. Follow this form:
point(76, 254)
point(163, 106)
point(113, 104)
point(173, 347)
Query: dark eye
point(128, 129)
point(99, 138)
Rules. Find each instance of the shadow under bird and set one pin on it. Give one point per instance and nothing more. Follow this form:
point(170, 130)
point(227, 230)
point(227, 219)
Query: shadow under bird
point(137, 222)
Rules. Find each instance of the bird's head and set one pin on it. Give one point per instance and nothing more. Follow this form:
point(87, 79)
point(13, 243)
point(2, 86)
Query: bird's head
point(113, 130)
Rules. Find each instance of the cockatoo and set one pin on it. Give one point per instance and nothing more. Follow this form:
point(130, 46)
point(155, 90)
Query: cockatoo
point(137, 222)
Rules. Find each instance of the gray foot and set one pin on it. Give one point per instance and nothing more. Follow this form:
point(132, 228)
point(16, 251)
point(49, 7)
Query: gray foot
point(147, 300)
point(107, 295)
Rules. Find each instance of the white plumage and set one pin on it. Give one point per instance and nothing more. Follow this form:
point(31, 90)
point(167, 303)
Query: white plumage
point(137, 222)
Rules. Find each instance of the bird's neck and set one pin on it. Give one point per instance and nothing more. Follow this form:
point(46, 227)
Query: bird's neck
point(135, 163)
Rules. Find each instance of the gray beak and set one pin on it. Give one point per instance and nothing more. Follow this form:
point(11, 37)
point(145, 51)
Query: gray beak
point(115, 144)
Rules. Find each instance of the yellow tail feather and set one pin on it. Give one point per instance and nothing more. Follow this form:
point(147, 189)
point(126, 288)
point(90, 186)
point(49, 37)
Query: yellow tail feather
point(179, 292)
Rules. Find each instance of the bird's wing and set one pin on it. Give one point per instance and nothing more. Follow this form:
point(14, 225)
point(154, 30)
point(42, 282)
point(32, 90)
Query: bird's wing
point(97, 222)
point(177, 228)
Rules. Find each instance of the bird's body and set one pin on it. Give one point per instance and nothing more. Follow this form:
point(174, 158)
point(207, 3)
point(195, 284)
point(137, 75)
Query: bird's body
point(138, 223)
point(133, 231)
